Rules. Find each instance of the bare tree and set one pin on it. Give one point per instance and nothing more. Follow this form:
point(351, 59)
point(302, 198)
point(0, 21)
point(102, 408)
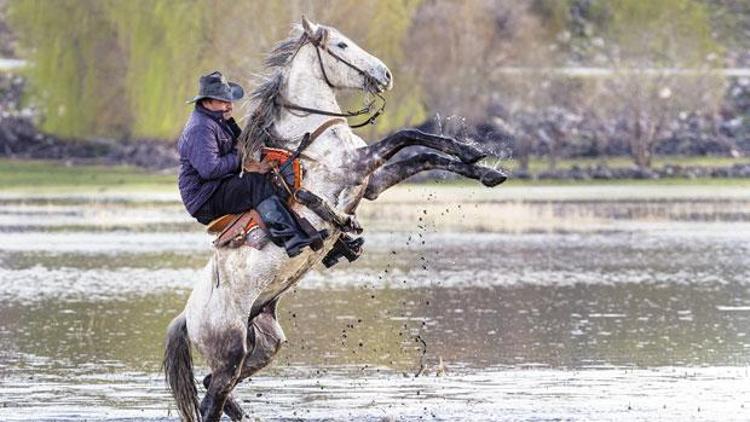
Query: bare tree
point(456, 47)
point(662, 58)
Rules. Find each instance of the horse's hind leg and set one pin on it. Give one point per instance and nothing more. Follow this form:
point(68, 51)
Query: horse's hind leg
point(231, 407)
point(387, 176)
point(226, 364)
point(262, 341)
point(264, 338)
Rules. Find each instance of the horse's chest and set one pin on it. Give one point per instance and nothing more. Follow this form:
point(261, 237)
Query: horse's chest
point(291, 271)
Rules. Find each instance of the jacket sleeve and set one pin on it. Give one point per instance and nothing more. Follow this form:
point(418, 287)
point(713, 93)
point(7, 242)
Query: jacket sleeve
point(203, 154)
point(236, 129)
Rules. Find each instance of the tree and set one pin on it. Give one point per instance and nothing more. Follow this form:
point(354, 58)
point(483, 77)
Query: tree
point(122, 69)
point(456, 47)
point(77, 65)
point(662, 54)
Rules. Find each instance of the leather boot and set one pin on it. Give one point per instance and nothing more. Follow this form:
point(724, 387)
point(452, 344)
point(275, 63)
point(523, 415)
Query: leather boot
point(282, 228)
point(347, 247)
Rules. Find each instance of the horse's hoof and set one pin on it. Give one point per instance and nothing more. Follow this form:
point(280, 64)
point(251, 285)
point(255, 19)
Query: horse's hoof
point(492, 177)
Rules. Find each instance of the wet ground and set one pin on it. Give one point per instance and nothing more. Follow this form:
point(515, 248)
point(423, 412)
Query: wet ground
point(584, 306)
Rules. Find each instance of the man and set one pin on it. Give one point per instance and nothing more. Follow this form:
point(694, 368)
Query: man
point(209, 180)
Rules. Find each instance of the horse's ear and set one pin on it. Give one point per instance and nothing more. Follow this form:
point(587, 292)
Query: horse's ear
point(309, 27)
point(321, 35)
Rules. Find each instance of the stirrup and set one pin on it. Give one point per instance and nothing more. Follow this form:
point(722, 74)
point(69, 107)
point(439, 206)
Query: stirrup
point(347, 247)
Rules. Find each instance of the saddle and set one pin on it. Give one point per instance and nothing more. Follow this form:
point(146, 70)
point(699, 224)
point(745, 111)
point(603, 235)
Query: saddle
point(235, 230)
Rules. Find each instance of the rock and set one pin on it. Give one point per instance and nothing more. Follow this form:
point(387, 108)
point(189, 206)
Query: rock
point(601, 172)
point(644, 173)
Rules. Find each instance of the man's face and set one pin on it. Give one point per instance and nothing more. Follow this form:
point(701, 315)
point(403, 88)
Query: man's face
point(218, 105)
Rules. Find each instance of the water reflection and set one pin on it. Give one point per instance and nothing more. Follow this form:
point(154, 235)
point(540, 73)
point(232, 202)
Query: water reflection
point(508, 313)
point(571, 327)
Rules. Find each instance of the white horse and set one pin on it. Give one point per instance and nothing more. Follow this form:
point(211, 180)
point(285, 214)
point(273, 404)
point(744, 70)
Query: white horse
point(230, 316)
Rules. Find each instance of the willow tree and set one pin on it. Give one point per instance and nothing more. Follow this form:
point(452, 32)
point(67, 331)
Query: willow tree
point(386, 35)
point(167, 43)
point(78, 67)
point(118, 69)
point(111, 68)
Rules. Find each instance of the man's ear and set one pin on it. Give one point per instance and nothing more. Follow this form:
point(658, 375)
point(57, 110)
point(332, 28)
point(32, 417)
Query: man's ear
point(309, 27)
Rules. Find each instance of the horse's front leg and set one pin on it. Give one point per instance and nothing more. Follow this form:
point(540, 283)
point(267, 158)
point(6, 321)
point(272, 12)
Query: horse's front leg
point(397, 172)
point(370, 158)
point(345, 222)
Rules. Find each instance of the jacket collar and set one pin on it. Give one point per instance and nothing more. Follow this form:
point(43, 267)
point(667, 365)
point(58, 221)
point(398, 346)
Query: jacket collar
point(217, 117)
point(214, 115)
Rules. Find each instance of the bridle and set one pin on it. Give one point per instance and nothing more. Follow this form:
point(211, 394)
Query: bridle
point(319, 44)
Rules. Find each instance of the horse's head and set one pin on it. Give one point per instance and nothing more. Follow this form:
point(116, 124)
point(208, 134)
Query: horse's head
point(305, 71)
point(343, 64)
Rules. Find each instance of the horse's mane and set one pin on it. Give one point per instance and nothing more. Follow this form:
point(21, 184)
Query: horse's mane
point(264, 104)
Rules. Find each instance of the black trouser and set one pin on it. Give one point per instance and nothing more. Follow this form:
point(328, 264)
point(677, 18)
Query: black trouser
point(235, 195)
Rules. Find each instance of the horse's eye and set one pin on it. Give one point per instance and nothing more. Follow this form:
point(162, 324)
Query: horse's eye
point(342, 45)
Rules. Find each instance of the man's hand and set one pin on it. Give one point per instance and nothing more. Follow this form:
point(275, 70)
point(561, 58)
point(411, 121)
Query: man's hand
point(252, 166)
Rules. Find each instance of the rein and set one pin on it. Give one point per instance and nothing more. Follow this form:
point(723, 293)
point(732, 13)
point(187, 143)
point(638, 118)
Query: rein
point(369, 80)
point(307, 140)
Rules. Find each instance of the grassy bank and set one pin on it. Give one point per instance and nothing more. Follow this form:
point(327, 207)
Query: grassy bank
point(41, 176)
point(49, 177)
point(537, 165)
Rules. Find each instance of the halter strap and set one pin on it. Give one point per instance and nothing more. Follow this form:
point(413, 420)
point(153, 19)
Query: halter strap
point(316, 42)
point(364, 110)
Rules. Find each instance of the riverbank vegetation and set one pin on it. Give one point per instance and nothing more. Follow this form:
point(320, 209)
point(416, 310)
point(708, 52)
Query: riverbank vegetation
point(56, 177)
point(536, 79)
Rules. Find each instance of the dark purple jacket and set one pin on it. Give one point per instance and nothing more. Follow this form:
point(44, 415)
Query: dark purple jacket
point(208, 154)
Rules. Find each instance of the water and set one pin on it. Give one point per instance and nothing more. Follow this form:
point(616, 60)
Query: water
point(631, 308)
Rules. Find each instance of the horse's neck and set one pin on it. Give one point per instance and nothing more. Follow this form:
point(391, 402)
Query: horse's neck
point(305, 87)
point(326, 174)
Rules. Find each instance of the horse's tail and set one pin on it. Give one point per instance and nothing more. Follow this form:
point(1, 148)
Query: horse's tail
point(178, 370)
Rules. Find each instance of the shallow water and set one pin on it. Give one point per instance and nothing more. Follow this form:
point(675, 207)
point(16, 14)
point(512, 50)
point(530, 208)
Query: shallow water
point(637, 315)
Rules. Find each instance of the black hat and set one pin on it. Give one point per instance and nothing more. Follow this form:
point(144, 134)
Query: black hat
point(215, 85)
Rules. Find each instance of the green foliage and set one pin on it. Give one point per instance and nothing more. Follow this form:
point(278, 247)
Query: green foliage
point(117, 69)
point(77, 66)
point(664, 32)
point(166, 48)
point(388, 29)
point(106, 68)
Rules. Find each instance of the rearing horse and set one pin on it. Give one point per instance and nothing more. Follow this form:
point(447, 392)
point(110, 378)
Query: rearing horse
point(230, 316)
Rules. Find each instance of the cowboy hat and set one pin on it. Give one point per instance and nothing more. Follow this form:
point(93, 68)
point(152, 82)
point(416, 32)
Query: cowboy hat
point(215, 85)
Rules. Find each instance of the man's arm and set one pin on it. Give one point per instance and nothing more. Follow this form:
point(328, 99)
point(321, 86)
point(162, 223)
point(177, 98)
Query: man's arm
point(235, 128)
point(203, 154)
